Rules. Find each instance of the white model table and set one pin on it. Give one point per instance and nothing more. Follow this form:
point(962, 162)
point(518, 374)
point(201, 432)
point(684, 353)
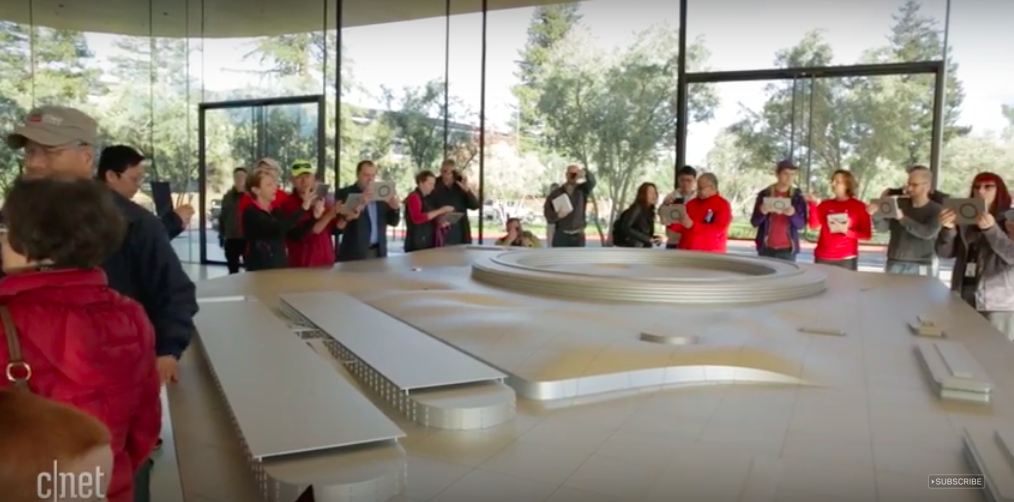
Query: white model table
point(284, 398)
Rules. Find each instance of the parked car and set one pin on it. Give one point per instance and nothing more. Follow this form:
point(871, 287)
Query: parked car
point(214, 213)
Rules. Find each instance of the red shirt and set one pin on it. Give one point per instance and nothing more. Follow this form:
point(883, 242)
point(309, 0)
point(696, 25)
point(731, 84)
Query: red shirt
point(309, 250)
point(711, 218)
point(414, 207)
point(838, 246)
point(247, 199)
point(778, 228)
point(94, 349)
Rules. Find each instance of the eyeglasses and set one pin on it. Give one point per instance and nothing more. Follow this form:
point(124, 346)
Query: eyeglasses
point(137, 179)
point(49, 152)
point(984, 186)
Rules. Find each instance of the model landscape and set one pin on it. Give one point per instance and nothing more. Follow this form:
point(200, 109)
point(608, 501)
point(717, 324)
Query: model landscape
point(472, 373)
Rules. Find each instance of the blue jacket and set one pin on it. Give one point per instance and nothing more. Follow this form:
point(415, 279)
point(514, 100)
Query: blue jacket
point(761, 221)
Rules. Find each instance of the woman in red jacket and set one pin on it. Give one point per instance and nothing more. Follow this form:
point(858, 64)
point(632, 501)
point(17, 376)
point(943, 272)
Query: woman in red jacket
point(69, 337)
point(843, 221)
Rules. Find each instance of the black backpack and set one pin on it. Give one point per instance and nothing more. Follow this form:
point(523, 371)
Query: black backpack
point(618, 233)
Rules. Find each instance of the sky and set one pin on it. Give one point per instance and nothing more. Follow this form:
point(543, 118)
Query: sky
point(741, 34)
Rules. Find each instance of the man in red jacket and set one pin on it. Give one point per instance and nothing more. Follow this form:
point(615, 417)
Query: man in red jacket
point(71, 338)
point(311, 242)
point(706, 218)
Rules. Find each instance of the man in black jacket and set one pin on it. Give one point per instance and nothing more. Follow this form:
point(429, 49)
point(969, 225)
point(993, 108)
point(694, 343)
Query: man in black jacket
point(122, 169)
point(453, 190)
point(59, 141)
point(365, 236)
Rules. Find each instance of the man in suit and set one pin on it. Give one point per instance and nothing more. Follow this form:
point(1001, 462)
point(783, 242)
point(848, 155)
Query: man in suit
point(365, 237)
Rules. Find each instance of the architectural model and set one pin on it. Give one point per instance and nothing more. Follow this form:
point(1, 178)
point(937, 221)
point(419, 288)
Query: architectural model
point(561, 374)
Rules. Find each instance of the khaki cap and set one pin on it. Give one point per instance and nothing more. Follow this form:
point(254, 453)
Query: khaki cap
point(269, 163)
point(54, 126)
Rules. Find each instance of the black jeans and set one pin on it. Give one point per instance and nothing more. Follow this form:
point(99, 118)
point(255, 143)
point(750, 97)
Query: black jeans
point(848, 263)
point(142, 482)
point(779, 254)
point(564, 240)
point(234, 249)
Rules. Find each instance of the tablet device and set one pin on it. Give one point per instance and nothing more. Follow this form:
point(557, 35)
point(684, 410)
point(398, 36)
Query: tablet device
point(966, 210)
point(352, 202)
point(383, 190)
point(453, 218)
point(778, 204)
point(887, 207)
point(322, 190)
point(671, 213)
point(562, 204)
point(162, 196)
point(838, 223)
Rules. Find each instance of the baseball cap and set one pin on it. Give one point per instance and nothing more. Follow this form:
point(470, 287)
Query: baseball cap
point(54, 126)
point(301, 167)
point(785, 165)
point(269, 162)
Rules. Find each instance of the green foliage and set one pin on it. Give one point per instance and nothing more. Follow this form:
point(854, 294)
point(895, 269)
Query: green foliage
point(615, 113)
point(550, 25)
point(876, 127)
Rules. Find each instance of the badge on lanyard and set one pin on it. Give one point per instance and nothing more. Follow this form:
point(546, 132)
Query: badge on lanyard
point(709, 217)
point(970, 270)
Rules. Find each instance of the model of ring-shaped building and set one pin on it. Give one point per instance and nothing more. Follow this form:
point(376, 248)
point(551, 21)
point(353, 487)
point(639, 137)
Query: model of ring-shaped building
point(503, 374)
point(649, 276)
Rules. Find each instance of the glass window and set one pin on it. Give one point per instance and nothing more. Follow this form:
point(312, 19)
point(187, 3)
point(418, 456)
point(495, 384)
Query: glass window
point(586, 83)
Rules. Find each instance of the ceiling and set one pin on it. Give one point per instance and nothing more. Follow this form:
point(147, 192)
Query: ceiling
point(228, 18)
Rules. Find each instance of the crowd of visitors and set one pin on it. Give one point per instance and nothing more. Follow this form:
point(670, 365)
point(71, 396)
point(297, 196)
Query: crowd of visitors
point(96, 309)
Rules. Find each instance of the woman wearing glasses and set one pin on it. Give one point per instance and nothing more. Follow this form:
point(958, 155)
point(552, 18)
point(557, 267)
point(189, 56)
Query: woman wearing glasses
point(983, 254)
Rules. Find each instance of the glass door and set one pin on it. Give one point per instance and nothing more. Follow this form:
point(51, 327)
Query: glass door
point(239, 133)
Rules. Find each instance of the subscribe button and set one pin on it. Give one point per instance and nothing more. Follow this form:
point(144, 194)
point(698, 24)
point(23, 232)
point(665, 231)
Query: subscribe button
point(957, 481)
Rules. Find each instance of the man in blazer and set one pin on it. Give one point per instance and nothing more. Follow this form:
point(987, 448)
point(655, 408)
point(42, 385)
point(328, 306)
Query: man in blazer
point(365, 237)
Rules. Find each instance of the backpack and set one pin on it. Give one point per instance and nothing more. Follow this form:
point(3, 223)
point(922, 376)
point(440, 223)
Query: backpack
point(618, 233)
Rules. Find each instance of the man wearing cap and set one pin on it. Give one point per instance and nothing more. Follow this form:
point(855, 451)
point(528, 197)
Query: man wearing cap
point(686, 188)
point(122, 169)
point(778, 228)
point(59, 141)
point(310, 242)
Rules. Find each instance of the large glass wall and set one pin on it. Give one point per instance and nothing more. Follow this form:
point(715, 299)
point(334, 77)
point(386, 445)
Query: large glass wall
point(591, 83)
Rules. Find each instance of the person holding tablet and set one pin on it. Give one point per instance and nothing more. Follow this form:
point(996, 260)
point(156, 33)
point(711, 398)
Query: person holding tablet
point(266, 224)
point(843, 221)
point(983, 254)
point(425, 225)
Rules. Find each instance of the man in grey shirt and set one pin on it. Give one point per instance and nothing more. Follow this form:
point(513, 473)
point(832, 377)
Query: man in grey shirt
point(914, 228)
point(570, 222)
